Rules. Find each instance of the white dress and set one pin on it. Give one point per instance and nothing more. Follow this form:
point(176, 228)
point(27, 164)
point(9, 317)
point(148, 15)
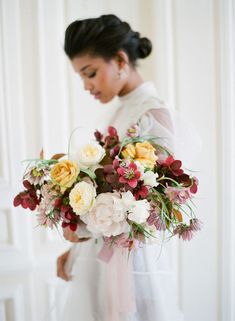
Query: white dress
point(98, 290)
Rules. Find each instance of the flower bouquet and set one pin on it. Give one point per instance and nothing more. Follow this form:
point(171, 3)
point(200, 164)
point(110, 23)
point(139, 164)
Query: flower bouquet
point(128, 192)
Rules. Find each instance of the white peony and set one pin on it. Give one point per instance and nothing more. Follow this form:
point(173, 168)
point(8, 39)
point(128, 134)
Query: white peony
point(108, 217)
point(90, 155)
point(138, 211)
point(82, 197)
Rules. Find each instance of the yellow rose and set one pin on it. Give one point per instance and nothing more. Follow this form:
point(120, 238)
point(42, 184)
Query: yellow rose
point(145, 154)
point(64, 174)
point(129, 151)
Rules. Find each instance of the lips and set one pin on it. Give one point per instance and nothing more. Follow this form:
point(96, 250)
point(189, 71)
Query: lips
point(96, 95)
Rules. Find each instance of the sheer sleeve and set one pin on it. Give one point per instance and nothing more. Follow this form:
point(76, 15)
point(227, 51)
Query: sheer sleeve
point(82, 232)
point(158, 122)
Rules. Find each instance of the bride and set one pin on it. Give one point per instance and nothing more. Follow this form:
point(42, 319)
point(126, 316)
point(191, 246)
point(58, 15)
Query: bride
point(104, 51)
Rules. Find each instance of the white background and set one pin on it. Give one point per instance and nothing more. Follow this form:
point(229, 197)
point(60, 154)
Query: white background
point(42, 100)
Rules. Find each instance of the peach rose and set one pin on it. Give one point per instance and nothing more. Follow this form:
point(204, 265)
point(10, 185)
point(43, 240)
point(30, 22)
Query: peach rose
point(145, 154)
point(129, 151)
point(64, 174)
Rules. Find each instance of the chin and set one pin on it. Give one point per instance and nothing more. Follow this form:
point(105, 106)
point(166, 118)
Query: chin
point(106, 100)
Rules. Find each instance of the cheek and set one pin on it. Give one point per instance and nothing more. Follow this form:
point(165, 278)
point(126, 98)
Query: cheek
point(109, 81)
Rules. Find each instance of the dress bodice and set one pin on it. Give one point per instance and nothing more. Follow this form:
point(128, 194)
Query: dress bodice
point(135, 104)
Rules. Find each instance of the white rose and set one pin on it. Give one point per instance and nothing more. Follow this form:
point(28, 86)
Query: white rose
point(149, 178)
point(138, 210)
point(90, 155)
point(108, 216)
point(82, 197)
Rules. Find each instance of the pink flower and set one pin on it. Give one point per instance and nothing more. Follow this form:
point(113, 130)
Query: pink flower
point(178, 195)
point(194, 187)
point(129, 175)
point(185, 231)
point(156, 220)
point(51, 219)
point(195, 224)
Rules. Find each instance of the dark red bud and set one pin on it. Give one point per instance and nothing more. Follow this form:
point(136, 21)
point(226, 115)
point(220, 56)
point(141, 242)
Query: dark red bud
point(73, 226)
point(27, 184)
point(112, 131)
point(98, 135)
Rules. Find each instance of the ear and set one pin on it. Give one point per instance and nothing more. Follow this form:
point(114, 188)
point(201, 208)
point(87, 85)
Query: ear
point(122, 59)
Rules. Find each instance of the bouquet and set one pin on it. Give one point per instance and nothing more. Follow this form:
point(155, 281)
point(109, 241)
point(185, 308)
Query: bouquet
point(127, 191)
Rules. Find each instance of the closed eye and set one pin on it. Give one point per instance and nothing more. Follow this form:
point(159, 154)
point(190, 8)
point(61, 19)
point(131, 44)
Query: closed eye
point(92, 75)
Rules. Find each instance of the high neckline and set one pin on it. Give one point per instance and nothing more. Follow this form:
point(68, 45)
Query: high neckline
point(144, 87)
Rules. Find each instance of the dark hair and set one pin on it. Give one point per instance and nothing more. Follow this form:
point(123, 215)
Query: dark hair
point(105, 36)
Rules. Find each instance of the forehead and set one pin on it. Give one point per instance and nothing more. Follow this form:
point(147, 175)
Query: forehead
point(81, 63)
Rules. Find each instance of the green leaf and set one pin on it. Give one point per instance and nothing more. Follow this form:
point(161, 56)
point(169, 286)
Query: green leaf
point(89, 173)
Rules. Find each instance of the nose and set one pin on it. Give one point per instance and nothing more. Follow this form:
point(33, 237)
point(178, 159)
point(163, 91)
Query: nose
point(88, 85)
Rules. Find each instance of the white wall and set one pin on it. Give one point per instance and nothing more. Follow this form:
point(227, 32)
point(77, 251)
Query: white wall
point(42, 100)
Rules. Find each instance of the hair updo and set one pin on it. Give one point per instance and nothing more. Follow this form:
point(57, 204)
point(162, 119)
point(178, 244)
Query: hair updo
point(104, 37)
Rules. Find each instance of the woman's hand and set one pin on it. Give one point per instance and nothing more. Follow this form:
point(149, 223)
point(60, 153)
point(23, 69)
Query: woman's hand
point(72, 236)
point(61, 261)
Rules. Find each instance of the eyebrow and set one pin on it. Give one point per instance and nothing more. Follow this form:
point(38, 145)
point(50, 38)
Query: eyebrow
point(85, 67)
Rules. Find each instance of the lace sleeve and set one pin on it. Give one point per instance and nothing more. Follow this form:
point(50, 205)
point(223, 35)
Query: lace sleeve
point(82, 232)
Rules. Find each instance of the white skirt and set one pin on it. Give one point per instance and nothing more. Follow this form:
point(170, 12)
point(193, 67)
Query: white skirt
point(99, 293)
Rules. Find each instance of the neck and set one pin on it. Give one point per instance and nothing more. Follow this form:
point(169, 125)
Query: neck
point(134, 80)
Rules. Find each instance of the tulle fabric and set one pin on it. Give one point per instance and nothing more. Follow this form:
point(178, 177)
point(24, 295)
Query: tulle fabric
point(98, 289)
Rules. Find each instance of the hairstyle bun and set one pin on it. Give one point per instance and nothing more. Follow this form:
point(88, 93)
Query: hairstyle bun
point(145, 47)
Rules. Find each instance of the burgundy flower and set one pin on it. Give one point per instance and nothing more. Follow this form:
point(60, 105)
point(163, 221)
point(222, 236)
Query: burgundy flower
point(27, 198)
point(69, 217)
point(142, 192)
point(173, 165)
point(129, 175)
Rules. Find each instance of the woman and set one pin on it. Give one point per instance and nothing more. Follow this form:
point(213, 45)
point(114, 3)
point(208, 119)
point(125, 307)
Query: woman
point(104, 52)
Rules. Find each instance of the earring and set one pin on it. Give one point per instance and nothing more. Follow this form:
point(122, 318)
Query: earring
point(121, 75)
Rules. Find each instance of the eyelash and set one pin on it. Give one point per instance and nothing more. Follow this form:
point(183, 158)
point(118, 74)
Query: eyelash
point(92, 75)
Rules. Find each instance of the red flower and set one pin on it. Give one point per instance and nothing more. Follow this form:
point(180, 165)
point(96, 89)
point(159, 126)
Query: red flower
point(129, 175)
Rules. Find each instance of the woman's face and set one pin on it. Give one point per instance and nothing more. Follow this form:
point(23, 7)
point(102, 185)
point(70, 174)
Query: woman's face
point(99, 76)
